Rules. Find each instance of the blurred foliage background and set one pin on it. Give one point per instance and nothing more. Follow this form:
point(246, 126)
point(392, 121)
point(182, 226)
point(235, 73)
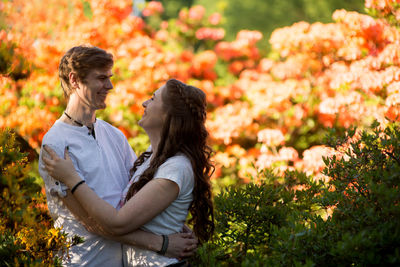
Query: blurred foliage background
point(264, 15)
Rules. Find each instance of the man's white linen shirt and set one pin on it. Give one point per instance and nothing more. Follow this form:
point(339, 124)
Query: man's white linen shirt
point(104, 163)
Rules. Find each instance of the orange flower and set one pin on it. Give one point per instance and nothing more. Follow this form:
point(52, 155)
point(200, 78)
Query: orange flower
point(236, 67)
point(186, 56)
point(203, 63)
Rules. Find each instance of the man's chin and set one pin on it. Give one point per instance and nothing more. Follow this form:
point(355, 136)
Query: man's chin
point(101, 106)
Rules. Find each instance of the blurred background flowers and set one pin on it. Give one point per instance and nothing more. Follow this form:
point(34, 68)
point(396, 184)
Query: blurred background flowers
point(277, 74)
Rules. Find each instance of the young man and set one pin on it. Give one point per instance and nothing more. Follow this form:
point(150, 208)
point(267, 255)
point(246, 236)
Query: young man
point(101, 156)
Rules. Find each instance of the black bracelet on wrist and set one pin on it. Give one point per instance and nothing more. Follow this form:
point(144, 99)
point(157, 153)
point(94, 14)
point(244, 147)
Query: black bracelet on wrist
point(164, 246)
point(76, 186)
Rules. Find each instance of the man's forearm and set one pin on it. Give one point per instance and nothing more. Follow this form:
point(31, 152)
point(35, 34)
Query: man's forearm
point(138, 238)
point(141, 239)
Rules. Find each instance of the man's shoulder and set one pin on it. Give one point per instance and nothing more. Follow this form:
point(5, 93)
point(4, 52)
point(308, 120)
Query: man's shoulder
point(110, 128)
point(104, 124)
point(55, 133)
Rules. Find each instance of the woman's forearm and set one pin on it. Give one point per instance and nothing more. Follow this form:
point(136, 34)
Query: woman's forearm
point(152, 199)
point(101, 211)
point(138, 238)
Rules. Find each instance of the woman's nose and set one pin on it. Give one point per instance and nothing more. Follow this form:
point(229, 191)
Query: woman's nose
point(144, 104)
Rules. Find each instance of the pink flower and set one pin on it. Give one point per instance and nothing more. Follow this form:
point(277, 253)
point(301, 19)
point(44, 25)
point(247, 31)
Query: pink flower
point(161, 35)
point(183, 14)
point(252, 37)
point(152, 8)
point(265, 161)
point(196, 12)
point(288, 153)
point(210, 34)
point(237, 114)
point(265, 65)
point(214, 18)
point(271, 137)
point(164, 25)
point(312, 158)
point(393, 100)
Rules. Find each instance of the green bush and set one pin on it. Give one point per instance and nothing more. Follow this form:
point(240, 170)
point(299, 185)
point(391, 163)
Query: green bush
point(276, 224)
point(27, 236)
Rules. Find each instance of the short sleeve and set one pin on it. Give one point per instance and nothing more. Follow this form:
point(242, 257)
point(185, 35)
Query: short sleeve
point(54, 187)
point(179, 170)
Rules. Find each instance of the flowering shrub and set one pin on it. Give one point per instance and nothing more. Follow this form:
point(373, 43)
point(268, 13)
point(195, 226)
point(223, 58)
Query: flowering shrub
point(317, 75)
point(291, 220)
point(27, 237)
point(388, 9)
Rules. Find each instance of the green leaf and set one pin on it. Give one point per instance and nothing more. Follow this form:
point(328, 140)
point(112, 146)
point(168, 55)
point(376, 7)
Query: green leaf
point(87, 9)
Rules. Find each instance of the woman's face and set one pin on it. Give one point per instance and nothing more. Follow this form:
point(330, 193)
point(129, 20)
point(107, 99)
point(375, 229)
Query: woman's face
point(154, 113)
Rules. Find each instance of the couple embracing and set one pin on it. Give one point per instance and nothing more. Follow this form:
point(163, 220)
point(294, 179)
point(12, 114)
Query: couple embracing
point(130, 211)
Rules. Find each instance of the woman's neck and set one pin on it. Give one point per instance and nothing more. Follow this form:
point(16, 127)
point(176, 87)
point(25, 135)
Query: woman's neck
point(154, 141)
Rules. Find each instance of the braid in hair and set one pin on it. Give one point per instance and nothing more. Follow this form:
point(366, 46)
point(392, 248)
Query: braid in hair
point(198, 112)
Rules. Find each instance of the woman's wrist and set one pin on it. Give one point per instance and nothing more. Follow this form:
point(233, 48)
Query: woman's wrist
point(73, 189)
point(70, 183)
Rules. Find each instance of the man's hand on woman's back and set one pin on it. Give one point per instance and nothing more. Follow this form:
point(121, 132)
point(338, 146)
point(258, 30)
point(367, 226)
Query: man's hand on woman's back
point(182, 245)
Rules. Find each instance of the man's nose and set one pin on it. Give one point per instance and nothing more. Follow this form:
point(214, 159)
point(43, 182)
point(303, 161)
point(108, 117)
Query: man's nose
point(109, 85)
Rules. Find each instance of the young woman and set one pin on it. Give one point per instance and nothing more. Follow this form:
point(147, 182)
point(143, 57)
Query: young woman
point(169, 179)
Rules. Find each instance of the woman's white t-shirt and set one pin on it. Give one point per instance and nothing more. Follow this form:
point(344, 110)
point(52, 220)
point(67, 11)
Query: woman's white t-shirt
point(179, 170)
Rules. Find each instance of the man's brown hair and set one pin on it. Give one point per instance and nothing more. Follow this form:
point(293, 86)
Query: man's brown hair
point(81, 60)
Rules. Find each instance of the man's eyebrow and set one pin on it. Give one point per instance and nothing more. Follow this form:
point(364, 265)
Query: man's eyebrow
point(104, 75)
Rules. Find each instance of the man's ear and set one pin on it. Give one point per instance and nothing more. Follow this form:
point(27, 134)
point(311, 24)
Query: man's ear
point(73, 80)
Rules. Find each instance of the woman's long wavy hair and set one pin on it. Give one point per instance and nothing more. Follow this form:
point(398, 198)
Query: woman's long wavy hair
point(184, 131)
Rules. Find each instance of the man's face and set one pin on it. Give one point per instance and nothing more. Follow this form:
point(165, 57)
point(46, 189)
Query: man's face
point(94, 88)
